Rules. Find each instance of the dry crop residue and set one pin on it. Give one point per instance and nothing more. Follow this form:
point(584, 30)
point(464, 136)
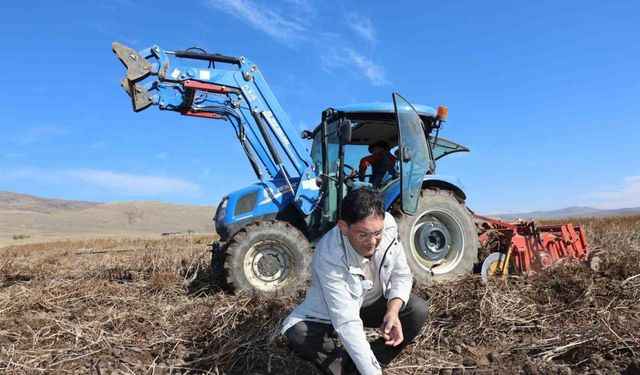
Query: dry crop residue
point(152, 306)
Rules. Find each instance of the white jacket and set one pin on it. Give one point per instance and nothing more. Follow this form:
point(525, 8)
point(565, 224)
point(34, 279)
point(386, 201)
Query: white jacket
point(338, 287)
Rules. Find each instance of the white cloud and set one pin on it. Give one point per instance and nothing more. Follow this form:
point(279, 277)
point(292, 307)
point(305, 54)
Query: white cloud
point(371, 70)
point(626, 194)
point(281, 24)
point(133, 184)
point(362, 26)
point(114, 182)
point(38, 133)
point(292, 21)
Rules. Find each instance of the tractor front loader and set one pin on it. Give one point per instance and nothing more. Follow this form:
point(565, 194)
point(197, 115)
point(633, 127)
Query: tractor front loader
point(268, 229)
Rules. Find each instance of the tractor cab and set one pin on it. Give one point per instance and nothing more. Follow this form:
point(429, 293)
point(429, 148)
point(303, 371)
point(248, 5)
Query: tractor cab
point(347, 135)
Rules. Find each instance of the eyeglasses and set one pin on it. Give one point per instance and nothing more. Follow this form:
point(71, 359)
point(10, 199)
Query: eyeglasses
point(362, 236)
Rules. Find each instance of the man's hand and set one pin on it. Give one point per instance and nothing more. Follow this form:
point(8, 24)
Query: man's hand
point(391, 329)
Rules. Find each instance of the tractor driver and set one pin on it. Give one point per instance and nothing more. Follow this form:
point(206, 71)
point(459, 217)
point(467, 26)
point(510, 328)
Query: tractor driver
point(382, 163)
point(360, 278)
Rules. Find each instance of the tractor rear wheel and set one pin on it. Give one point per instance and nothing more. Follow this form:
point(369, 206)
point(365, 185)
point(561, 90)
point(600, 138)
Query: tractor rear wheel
point(268, 257)
point(440, 240)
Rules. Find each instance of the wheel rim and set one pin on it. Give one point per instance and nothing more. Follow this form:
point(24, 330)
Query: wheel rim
point(437, 241)
point(493, 265)
point(268, 265)
point(433, 239)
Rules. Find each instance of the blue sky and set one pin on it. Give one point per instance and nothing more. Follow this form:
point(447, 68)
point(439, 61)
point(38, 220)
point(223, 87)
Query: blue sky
point(545, 93)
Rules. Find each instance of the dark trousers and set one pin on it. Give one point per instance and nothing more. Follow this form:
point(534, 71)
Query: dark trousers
point(313, 341)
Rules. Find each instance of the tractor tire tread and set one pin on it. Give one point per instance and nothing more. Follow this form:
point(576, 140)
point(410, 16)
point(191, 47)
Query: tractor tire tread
point(463, 214)
point(234, 277)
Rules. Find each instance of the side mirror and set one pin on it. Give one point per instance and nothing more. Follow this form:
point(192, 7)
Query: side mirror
point(344, 131)
point(307, 134)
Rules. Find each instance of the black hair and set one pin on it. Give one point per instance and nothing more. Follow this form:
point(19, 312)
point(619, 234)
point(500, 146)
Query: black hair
point(384, 144)
point(358, 204)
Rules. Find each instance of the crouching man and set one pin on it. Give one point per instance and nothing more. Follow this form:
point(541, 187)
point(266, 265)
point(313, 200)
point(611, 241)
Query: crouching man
point(360, 278)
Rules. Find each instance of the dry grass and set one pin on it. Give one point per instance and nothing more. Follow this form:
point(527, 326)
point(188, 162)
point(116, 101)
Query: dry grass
point(151, 306)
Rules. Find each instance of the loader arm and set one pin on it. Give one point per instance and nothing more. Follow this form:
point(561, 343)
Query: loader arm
point(238, 94)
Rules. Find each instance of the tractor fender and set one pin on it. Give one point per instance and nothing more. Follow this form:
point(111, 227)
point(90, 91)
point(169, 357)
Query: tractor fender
point(266, 200)
point(444, 182)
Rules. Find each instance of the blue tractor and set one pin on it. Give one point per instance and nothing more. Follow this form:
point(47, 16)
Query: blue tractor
point(268, 229)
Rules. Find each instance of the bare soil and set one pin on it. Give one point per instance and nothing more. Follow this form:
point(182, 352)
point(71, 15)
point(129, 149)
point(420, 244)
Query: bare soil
point(153, 306)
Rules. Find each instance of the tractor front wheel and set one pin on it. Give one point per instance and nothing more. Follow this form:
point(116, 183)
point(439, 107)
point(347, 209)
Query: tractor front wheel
point(440, 240)
point(269, 258)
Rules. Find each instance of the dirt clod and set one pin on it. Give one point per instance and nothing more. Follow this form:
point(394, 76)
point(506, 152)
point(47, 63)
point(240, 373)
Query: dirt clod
point(493, 357)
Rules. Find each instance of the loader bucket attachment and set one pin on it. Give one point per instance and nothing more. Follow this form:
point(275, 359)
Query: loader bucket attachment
point(140, 99)
point(138, 68)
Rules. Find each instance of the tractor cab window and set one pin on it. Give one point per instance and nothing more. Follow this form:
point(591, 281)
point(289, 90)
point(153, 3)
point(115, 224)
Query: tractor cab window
point(442, 147)
point(381, 164)
point(352, 156)
point(369, 132)
point(316, 151)
point(333, 148)
point(333, 144)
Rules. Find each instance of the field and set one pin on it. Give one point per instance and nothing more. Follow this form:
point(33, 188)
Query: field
point(152, 306)
point(29, 219)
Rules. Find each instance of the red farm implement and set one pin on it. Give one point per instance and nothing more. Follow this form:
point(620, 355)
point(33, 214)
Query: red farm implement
point(526, 248)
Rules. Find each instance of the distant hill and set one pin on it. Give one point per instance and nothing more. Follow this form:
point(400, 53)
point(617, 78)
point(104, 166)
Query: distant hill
point(23, 202)
point(42, 218)
point(575, 211)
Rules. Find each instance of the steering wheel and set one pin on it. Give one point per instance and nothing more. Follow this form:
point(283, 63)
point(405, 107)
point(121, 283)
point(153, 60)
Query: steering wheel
point(352, 173)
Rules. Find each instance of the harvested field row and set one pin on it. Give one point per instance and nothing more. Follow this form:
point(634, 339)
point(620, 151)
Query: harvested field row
point(153, 307)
